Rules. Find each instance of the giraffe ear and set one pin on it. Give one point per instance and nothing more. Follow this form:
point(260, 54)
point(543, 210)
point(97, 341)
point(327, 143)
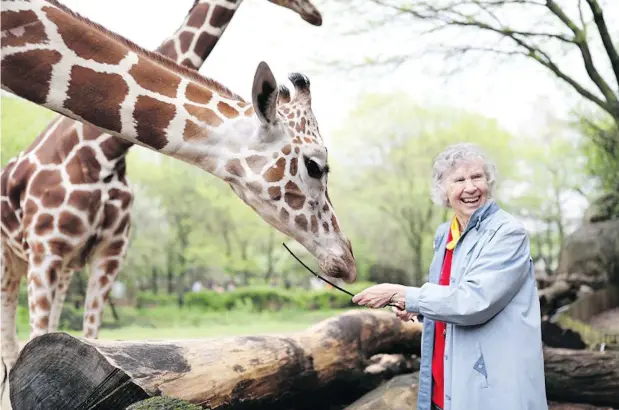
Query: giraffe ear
point(264, 94)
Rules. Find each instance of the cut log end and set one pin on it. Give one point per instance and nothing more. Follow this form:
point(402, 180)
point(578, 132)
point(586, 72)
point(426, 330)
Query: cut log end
point(54, 371)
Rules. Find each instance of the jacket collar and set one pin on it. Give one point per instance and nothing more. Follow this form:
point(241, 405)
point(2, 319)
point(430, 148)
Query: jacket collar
point(480, 214)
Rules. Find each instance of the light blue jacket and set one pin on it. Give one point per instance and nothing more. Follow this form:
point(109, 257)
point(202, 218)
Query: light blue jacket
point(493, 348)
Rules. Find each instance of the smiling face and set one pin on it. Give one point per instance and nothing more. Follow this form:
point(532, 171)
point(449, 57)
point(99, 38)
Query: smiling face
point(466, 188)
point(282, 173)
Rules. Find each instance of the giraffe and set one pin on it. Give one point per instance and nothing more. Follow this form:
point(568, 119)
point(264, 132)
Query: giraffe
point(269, 151)
point(190, 45)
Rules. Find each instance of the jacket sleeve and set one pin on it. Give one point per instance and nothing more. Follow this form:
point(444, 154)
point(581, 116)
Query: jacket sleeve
point(492, 281)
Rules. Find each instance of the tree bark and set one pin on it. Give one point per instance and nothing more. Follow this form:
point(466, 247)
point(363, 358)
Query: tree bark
point(58, 371)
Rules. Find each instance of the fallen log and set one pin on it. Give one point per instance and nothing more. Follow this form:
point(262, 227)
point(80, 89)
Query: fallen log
point(401, 393)
point(58, 371)
point(582, 376)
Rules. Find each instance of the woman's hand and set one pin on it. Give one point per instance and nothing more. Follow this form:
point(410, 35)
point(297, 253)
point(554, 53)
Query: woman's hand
point(404, 315)
point(378, 296)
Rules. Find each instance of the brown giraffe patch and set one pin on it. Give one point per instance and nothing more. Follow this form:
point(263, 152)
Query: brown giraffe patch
point(249, 112)
point(198, 94)
point(293, 196)
point(110, 213)
point(43, 303)
point(205, 43)
point(44, 180)
point(95, 202)
point(336, 227)
point(114, 147)
point(148, 75)
point(301, 222)
point(204, 114)
point(122, 225)
point(30, 209)
point(70, 224)
point(227, 110)
point(152, 117)
point(44, 224)
point(28, 73)
point(56, 149)
point(275, 173)
point(296, 150)
point(197, 15)
point(325, 226)
point(275, 193)
point(293, 166)
point(15, 187)
point(114, 248)
point(193, 132)
point(314, 224)
point(59, 247)
point(255, 187)
point(284, 214)
point(103, 281)
point(185, 39)
point(221, 16)
point(7, 215)
point(79, 199)
point(186, 62)
point(90, 132)
point(94, 305)
point(21, 27)
point(286, 150)
point(88, 89)
point(83, 167)
point(308, 140)
point(53, 198)
point(85, 40)
point(110, 267)
point(168, 49)
point(301, 126)
point(235, 168)
point(256, 163)
point(123, 196)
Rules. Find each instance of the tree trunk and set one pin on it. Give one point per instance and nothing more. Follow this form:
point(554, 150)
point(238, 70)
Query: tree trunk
point(57, 371)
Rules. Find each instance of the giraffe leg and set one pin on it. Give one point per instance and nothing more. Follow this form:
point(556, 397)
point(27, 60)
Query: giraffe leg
point(42, 283)
point(104, 269)
point(12, 271)
point(61, 293)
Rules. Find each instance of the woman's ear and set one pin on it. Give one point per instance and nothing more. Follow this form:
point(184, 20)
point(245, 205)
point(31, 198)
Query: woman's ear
point(264, 94)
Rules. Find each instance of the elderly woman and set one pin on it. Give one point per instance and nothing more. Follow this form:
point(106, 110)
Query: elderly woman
point(481, 346)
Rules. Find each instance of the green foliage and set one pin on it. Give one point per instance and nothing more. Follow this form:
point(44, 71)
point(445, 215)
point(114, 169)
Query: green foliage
point(22, 122)
point(150, 299)
point(163, 403)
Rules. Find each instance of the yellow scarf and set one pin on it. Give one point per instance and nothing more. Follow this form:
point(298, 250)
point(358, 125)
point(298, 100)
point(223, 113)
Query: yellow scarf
point(455, 234)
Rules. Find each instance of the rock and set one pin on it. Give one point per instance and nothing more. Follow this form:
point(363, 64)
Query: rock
point(590, 255)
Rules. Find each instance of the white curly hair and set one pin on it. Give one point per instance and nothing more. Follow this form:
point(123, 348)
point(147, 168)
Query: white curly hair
point(449, 159)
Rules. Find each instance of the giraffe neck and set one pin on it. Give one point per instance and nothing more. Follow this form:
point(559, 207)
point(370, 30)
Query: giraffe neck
point(206, 22)
point(190, 45)
point(75, 67)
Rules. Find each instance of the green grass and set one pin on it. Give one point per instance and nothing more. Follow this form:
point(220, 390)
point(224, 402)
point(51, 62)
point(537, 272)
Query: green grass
point(175, 323)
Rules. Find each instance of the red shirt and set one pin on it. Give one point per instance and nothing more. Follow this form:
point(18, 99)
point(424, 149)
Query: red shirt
point(438, 389)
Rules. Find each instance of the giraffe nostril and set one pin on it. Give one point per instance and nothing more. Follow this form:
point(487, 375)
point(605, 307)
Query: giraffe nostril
point(312, 203)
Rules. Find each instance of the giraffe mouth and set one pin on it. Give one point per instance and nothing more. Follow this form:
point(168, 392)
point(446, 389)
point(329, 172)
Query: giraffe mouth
point(314, 19)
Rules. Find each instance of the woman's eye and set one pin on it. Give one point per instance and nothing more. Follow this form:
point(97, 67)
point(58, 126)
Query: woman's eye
point(313, 169)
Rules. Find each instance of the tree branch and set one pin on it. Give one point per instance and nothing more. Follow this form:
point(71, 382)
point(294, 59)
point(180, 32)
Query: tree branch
point(583, 46)
point(598, 17)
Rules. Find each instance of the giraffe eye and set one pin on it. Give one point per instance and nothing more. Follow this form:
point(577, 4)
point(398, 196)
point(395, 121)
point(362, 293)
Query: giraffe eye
point(313, 169)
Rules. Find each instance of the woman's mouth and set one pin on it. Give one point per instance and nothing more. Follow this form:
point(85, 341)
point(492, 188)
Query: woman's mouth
point(471, 201)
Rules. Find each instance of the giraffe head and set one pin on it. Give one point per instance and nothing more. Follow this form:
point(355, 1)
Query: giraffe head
point(281, 171)
point(304, 8)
